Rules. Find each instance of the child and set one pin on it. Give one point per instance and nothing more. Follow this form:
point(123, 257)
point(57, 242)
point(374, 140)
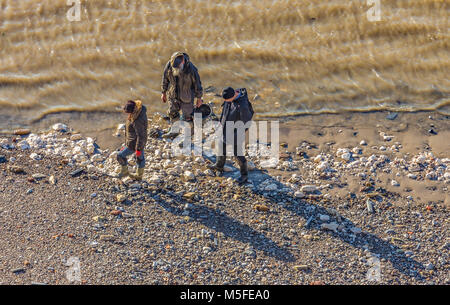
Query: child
point(135, 138)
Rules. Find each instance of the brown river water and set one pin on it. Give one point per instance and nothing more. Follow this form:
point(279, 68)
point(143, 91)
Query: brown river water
point(295, 56)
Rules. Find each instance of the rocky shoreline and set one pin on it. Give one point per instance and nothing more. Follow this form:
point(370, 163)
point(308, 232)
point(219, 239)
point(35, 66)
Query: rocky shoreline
point(290, 225)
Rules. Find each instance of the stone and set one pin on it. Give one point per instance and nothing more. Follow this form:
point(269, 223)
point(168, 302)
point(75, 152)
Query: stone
point(324, 218)
point(107, 237)
point(363, 143)
point(2, 159)
point(395, 183)
point(330, 226)
point(301, 267)
point(23, 145)
point(299, 194)
point(271, 187)
point(189, 195)
point(209, 172)
point(76, 172)
point(261, 208)
point(16, 169)
point(155, 179)
point(356, 230)
point(38, 176)
point(189, 175)
point(99, 218)
point(121, 197)
point(346, 156)
point(60, 127)
point(35, 156)
point(22, 132)
point(75, 137)
point(429, 266)
point(369, 205)
point(309, 189)
point(392, 116)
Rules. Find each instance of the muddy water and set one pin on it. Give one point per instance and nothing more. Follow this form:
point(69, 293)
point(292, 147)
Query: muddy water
point(294, 56)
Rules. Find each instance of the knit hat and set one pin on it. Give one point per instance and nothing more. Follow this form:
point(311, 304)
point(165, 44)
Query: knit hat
point(129, 107)
point(228, 93)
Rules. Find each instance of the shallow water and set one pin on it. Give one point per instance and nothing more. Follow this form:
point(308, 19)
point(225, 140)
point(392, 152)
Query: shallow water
point(297, 56)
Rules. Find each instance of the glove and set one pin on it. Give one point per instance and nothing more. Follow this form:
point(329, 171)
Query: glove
point(138, 153)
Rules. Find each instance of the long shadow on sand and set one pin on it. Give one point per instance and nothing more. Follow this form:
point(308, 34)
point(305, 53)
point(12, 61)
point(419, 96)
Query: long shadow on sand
point(230, 227)
point(365, 240)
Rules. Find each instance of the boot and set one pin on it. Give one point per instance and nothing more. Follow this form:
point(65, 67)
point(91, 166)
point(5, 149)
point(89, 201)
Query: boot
point(219, 165)
point(138, 175)
point(244, 173)
point(171, 134)
point(123, 172)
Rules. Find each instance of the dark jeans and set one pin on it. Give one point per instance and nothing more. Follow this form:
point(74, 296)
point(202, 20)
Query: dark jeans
point(125, 152)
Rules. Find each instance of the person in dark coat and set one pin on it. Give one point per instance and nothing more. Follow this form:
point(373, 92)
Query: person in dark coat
point(235, 108)
point(135, 138)
point(180, 86)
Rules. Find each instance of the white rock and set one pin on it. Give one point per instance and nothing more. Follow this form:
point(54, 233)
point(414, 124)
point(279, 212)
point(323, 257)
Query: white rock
point(299, 194)
point(323, 166)
point(90, 148)
point(271, 187)
point(120, 127)
point(209, 172)
point(60, 127)
point(309, 189)
point(412, 176)
point(75, 137)
point(395, 183)
point(330, 226)
point(35, 156)
point(324, 218)
point(154, 179)
point(363, 143)
point(23, 145)
point(97, 158)
point(189, 175)
point(346, 156)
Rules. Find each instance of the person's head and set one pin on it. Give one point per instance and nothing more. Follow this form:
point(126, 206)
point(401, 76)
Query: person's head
point(178, 64)
point(229, 94)
point(129, 107)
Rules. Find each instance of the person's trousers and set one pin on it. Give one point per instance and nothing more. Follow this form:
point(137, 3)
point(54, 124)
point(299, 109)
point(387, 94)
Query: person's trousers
point(174, 110)
point(125, 152)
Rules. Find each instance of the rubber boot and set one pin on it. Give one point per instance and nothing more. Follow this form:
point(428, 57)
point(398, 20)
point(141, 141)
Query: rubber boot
point(171, 134)
point(219, 165)
point(138, 175)
point(123, 171)
point(244, 172)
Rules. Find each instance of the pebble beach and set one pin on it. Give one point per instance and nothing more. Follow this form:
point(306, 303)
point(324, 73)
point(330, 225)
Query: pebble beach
point(329, 213)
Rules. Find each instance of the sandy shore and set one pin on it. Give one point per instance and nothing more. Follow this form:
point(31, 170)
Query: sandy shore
point(352, 193)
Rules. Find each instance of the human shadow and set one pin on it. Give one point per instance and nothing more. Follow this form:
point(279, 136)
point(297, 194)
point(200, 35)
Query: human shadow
point(229, 226)
point(380, 248)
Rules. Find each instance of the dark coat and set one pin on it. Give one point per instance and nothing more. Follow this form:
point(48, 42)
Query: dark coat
point(184, 87)
point(136, 132)
point(237, 110)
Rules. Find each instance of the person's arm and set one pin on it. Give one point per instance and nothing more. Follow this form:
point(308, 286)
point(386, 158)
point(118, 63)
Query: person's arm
point(141, 132)
point(165, 82)
point(198, 89)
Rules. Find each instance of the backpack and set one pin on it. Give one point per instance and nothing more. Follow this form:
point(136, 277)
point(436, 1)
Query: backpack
point(248, 112)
